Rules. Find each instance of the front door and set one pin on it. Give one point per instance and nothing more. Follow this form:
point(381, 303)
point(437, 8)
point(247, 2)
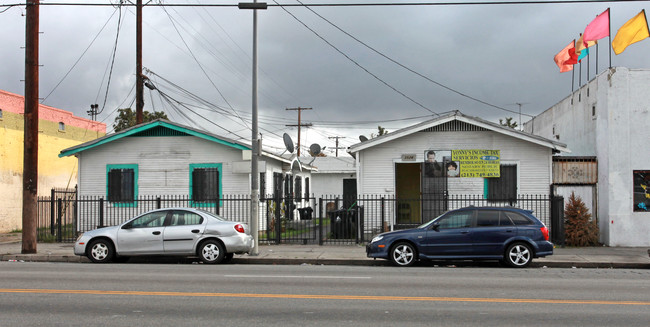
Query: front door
point(407, 191)
point(349, 193)
point(142, 235)
point(453, 236)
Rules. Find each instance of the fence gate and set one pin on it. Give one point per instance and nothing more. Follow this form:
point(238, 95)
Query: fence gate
point(57, 220)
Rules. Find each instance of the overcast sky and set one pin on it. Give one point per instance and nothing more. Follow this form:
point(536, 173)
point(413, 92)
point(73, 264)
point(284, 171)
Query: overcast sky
point(499, 54)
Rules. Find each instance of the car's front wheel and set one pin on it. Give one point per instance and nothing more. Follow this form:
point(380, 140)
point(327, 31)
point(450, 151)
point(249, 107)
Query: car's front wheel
point(212, 252)
point(519, 255)
point(403, 254)
point(100, 251)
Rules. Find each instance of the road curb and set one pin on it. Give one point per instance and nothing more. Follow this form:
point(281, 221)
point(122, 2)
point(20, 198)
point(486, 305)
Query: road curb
point(337, 262)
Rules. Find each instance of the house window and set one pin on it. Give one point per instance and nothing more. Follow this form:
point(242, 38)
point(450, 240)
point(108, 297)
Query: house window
point(263, 184)
point(277, 185)
point(298, 188)
point(122, 184)
point(205, 184)
point(503, 188)
point(61, 126)
point(307, 193)
point(0, 113)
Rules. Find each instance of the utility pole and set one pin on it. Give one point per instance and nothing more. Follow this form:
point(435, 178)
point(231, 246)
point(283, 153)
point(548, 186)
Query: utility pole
point(337, 143)
point(299, 125)
point(30, 148)
point(93, 111)
point(255, 144)
point(139, 90)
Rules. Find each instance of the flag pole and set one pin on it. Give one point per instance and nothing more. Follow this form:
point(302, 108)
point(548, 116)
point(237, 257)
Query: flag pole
point(609, 23)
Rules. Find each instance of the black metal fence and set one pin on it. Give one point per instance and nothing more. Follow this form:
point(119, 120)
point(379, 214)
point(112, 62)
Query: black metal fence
point(324, 220)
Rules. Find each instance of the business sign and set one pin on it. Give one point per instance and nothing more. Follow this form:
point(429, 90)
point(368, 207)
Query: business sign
point(478, 163)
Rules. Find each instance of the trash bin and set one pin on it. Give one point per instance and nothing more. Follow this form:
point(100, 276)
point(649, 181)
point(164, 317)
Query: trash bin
point(343, 223)
point(305, 213)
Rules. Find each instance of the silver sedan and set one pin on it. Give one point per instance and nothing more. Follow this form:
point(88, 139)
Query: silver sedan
point(171, 231)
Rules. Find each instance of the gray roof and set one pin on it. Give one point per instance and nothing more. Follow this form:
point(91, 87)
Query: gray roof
point(556, 146)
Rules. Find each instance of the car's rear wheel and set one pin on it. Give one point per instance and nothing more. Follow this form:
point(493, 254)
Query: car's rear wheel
point(211, 252)
point(403, 254)
point(519, 255)
point(100, 251)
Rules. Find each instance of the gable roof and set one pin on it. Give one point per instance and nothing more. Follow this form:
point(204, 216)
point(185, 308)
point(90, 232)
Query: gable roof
point(162, 127)
point(458, 116)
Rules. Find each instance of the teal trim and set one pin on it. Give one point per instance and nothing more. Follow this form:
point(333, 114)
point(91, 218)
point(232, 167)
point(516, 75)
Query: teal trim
point(135, 183)
point(144, 128)
point(206, 165)
point(485, 188)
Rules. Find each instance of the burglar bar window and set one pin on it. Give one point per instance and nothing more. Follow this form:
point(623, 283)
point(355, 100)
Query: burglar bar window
point(503, 188)
point(205, 184)
point(263, 184)
point(121, 184)
point(298, 188)
point(307, 188)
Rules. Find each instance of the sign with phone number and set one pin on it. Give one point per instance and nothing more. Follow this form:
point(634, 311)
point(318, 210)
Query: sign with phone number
point(478, 163)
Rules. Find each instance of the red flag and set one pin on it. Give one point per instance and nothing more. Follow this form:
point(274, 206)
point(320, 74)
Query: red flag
point(598, 28)
point(573, 57)
point(563, 56)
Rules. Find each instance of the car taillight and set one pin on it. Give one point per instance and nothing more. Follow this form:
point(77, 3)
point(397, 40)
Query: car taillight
point(544, 232)
point(240, 228)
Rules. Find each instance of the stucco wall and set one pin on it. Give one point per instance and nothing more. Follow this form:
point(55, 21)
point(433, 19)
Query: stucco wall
point(610, 122)
point(52, 170)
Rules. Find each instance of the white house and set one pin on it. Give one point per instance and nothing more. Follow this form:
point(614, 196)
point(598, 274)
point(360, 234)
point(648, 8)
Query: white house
point(608, 119)
point(162, 158)
point(452, 161)
point(336, 176)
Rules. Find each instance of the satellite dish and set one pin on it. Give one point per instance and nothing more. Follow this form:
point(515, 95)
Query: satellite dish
point(315, 149)
point(288, 143)
point(363, 138)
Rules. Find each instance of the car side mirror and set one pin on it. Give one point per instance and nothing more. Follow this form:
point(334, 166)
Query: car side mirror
point(436, 227)
point(127, 226)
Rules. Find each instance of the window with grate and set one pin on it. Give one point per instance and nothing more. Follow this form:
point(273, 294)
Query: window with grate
point(262, 184)
point(121, 187)
point(205, 184)
point(298, 188)
point(503, 188)
point(307, 193)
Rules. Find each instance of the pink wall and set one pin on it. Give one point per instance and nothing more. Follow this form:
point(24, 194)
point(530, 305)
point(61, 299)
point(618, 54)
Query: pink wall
point(15, 103)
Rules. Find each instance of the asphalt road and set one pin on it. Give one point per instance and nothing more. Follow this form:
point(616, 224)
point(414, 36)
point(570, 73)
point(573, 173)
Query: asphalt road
point(159, 294)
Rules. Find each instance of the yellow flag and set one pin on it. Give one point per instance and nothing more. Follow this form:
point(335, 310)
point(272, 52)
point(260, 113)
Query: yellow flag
point(580, 44)
point(635, 30)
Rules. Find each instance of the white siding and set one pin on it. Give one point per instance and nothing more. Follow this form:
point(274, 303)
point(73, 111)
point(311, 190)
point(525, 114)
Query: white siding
point(534, 164)
point(163, 164)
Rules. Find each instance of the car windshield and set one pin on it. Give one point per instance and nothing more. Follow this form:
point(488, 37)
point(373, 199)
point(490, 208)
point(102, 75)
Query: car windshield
point(428, 223)
point(212, 215)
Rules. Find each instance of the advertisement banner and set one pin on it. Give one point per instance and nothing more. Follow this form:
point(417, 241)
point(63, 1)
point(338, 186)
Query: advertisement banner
point(478, 163)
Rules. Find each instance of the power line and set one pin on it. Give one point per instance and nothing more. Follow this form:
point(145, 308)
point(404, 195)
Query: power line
point(358, 64)
point(370, 4)
point(407, 68)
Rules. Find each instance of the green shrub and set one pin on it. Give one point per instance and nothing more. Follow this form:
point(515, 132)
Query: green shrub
point(579, 228)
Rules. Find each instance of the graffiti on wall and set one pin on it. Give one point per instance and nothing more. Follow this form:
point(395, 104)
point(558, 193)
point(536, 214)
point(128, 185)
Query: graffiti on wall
point(642, 190)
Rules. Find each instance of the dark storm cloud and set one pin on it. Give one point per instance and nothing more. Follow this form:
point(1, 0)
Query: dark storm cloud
point(499, 54)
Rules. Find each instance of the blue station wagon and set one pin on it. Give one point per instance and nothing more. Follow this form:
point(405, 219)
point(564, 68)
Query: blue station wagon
point(511, 235)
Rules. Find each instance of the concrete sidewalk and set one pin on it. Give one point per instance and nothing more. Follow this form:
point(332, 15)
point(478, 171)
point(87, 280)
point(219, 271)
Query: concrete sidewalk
point(587, 257)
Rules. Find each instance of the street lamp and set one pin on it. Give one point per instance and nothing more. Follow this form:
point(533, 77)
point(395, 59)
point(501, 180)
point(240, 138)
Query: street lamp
point(255, 145)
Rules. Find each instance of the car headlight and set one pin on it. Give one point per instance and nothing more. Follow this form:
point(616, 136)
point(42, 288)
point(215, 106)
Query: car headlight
point(376, 239)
